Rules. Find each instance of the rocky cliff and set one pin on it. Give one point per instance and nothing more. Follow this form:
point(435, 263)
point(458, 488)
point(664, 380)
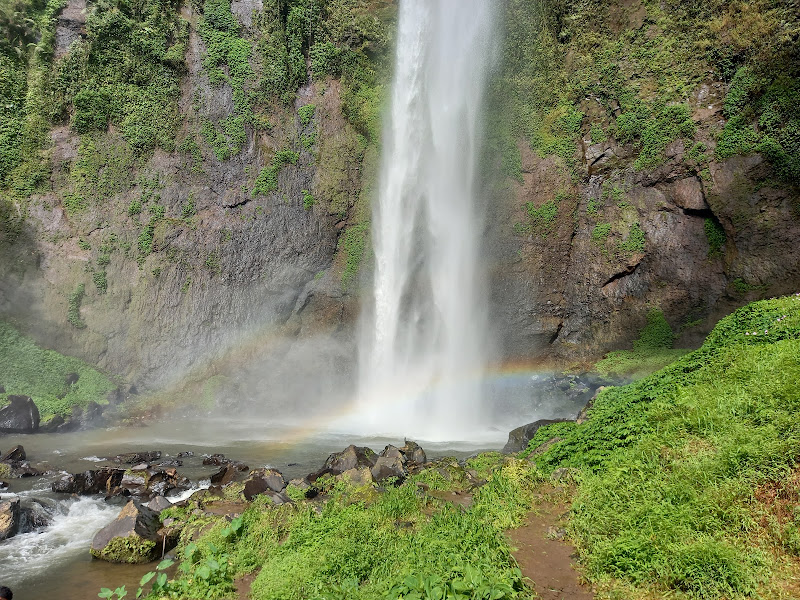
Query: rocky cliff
point(186, 188)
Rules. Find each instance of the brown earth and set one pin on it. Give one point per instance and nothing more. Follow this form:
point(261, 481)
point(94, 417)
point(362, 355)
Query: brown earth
point(544, 557)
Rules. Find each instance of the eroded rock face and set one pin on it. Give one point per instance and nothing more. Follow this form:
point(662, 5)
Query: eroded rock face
point(387, 467)
point(131, 538)
point(19, 416)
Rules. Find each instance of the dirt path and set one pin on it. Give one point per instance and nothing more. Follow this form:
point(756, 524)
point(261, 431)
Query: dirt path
point(543, 558)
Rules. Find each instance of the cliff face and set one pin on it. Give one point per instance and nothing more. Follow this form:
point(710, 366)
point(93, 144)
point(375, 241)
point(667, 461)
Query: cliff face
point(188, 189)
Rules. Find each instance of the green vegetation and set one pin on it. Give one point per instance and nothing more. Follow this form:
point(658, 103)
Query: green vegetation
point(715, 235)
point(541, 219)
point(651, 351)
point(42, 375)
point(306, 114)
point(671, 467)
point(308, 200)
point(267, 180)
point(635, 242)
point(74, 307)
point(559, 54)
point(763, 116)
point(100, 281)
point(600, 233)
point(354, 244)
point(125, 72)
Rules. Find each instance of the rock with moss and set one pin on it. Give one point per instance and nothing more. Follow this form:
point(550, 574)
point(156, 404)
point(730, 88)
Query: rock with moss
point(130, 538)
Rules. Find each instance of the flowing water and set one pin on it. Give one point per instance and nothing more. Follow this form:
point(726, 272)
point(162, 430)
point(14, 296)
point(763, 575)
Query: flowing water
point(425, 337)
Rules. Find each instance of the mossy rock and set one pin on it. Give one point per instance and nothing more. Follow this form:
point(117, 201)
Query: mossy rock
point(132, 549)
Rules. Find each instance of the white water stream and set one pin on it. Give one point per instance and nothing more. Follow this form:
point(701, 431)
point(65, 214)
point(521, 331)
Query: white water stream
point(423, 354)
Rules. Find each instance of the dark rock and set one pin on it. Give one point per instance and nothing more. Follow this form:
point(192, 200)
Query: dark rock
point(351, 457)
point(163, 481)
point(17, 453)
point(583, 415)
point(135, 458)
point(225, 475)
point(263, 480)
point(34, 517)
point(279, 498)
point(216, 460)
point(389, 466)
point(98, 481)
point(134, 483)
point(24, 469)
point(174, 462)
point(2, 389)
point(20, 416)
point(93, 415)
point(393, 452)
point(518, 438)
point(9, 518)
point(414, 453)
point(53, 425)
point(158, 504)
point(71, 378)
point(131, 538)
point(188, 454)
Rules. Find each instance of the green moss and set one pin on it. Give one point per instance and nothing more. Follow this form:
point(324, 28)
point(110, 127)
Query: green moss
point(715, 235)
point(5, 471)
point(41, 374)
point(100, 281)
point(542, 218)
point(656, 334)
point(635, 242)
point(597, 135)
point(306, 114)
point(74, 307)
point(131, 550)
point(267, 180)
point(600, 233)
point(668, 124)
point(308, 200)
point(354, 245)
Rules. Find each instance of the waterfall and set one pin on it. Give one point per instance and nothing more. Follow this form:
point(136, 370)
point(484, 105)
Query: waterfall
point(425, 332)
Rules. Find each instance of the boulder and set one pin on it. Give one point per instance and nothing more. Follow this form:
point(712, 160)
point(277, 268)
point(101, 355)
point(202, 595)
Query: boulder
point(135, 458)
point(130, 538)
point(358, 477)
point(34, 517)
point(98, 481)
point(518, 438)
point(71, 378)
point(352, 457)
point(20, 416)
point(158, 504)
point(23, 468)
point(9, 518)
point(393, 452)
point(389, 466)
point(225, 475)
point(17, 453)
point(414, 452)
point(263, 480)
point(53, 425)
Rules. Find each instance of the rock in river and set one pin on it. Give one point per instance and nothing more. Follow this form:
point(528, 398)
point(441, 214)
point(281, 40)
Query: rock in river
point(130, 538)
point(9, 518)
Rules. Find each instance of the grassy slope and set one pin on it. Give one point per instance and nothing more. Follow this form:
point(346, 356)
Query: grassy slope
point(670, 466)
point(41, 374)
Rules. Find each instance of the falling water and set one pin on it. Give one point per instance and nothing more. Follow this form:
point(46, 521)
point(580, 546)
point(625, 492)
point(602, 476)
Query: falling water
point(421, 362)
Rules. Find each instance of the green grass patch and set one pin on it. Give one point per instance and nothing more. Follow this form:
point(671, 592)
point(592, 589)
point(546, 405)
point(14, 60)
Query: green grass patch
point(41, 374)
point(267, 180)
